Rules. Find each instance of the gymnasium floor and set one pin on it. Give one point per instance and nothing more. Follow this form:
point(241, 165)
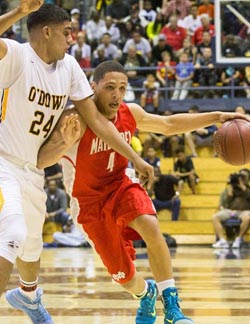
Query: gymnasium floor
point(214, 288)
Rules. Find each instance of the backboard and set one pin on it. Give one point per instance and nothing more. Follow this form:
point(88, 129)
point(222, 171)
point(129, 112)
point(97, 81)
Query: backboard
point(232, 23)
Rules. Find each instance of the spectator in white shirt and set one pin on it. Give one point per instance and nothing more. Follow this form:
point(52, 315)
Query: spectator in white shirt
point(112, 29)
point(136, 20)
point(82, 51)
point(94, 29)
point(147, 12)
point(141, 43)
point(192, 21)
point(111, 51)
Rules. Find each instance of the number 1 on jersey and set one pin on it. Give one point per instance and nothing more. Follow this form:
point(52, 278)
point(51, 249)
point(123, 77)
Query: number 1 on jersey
point(111, 162)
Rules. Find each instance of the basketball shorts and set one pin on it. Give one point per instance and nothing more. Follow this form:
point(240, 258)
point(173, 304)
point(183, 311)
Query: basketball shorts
point(106, 224)
point(22, 195)
point(225, 214)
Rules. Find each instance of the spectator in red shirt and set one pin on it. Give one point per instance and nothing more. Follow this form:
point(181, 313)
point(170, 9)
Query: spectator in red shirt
point(206, 26)
point(175, 35)
point(206, 8)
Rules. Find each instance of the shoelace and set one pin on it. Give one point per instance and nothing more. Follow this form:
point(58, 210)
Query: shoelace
point(173, 307)
point(40, 313)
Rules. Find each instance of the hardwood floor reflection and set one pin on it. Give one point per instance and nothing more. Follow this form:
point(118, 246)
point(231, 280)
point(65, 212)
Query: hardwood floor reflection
point(214, 288)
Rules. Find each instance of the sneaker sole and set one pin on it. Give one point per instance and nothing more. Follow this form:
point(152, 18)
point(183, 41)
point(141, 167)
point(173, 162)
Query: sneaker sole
point(184, 321)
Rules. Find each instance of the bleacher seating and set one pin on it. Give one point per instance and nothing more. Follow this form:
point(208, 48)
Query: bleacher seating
point(194, 225)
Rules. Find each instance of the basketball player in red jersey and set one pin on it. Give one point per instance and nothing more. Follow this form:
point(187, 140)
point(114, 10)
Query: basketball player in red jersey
point(112, 207)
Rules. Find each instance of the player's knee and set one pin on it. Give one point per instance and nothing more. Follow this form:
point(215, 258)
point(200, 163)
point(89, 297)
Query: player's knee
point(188, 135)
point(215, 217)
point(32, 249)
point(11, 243)
point(245, 216)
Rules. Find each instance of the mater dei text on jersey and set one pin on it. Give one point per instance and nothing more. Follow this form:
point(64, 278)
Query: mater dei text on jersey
point(99, 146)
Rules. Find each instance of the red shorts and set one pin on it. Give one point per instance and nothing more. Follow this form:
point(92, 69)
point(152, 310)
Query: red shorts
point(106, 223)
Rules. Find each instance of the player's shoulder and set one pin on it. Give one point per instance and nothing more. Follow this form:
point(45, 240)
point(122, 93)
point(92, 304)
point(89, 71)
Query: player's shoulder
point(70, 62)
point(136, 111)
point(132, 106)
point(13, 45)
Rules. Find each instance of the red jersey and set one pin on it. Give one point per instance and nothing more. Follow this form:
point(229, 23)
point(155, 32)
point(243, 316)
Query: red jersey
point(175, 37)
point(105, 200)
point(197, 38)
point(96, 169)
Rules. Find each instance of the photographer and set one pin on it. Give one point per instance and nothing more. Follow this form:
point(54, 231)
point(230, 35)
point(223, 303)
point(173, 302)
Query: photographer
point(235, 202)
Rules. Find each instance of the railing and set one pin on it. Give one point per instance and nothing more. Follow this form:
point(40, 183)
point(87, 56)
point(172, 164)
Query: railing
point(226, 98)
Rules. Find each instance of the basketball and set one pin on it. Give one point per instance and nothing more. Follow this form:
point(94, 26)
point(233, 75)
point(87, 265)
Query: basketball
point(232, 142)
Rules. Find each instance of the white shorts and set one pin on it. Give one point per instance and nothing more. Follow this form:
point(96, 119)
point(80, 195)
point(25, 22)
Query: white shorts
point(22, 194)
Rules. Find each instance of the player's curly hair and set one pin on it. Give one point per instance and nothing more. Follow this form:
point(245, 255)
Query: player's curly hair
point(47, 14)
point(105, 67)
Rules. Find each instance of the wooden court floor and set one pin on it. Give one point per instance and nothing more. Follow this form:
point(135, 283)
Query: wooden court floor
point(215, 288)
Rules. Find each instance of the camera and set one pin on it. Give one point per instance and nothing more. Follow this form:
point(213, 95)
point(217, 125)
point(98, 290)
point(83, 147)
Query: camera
point(234, 179)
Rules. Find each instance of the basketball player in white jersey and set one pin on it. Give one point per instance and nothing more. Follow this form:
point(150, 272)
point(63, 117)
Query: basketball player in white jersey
point(36, 80)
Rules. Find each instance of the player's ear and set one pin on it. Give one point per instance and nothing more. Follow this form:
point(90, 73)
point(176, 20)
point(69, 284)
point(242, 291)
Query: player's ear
point(93, 85)
point(46, 32)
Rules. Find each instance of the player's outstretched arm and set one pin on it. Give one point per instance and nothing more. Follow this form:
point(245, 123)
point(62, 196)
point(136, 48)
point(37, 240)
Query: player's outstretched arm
point(179, 123)
point(68, 130)
point(7, 20)
point(109, 134)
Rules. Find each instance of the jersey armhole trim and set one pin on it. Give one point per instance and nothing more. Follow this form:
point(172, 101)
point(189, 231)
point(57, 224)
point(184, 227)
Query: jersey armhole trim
point(4, 102)
point(69, 159)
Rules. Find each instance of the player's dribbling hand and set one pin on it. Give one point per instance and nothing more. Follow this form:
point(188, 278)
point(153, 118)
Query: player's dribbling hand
point(228, 116)
point(146, 172)
point(70, 129)
point(28, 6)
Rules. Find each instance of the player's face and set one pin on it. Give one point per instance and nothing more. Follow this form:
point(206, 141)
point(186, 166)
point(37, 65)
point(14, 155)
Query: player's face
point(59, 41)
point(109, 93)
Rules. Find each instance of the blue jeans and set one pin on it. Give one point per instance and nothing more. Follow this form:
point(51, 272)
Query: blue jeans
point(173, 205)
point(62, 218)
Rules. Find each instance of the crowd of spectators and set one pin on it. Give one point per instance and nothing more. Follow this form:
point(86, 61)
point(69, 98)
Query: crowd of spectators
point(167, 40)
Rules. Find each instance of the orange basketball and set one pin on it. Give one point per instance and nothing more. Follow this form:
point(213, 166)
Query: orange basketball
point(232, 142)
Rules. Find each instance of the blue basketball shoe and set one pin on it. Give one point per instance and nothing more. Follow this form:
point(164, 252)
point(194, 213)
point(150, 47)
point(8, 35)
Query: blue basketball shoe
point(172, 310)
point(146, 313)
point(34, 309)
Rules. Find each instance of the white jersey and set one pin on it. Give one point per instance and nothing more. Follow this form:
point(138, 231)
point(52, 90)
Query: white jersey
point(33, 95)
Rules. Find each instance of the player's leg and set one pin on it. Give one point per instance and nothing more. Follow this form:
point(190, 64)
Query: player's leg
point(118, 258)
point(176, 208)
point(192, 183)
point(245, 222)
point(143, 100)
point(160, 263)
point(177, 90)
point(12, 222)
point(156, 102)
point(218, 228)
point(190, 140)
point(184, 89)
point(180, 185)
point(12, 236)
point(27, 297)
point(147, 227)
